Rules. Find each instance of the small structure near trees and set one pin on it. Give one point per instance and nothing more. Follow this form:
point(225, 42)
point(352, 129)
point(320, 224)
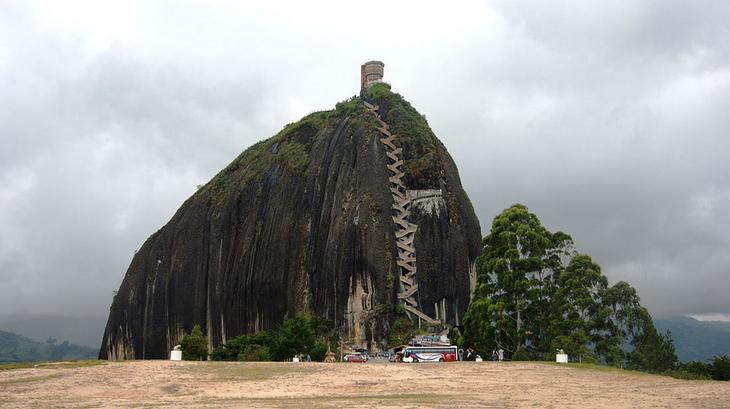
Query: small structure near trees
point(176, 353)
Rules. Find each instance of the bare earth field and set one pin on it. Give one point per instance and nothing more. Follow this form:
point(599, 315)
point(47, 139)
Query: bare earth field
point(263, 385)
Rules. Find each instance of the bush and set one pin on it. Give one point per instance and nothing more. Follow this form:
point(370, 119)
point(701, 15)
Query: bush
point(720, 368)
point(303, 334)
point(318, 351)
point(698, 368)
point(253, 347)
point(520, 355)
point(194, 345)
point(294, 336)
point(255, 353)
point(686, 375)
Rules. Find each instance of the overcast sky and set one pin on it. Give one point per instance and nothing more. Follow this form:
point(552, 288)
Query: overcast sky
point(609, 120)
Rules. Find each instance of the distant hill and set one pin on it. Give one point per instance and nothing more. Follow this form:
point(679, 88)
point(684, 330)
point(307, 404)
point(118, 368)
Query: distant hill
point(16, 348)
point(697, 340)
point(80, 330)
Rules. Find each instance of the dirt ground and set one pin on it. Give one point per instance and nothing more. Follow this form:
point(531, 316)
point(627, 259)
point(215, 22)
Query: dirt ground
point(263, 385)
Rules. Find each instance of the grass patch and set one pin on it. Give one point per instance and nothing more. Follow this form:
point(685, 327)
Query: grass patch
point(254, 371)
point(596, 367)
point(29, 379)
point(50, 364)
point(676, 374)
point(372, 400)
point(17, 365)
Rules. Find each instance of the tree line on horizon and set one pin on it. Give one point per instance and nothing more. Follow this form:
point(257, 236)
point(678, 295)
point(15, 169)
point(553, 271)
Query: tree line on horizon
point(17, 348)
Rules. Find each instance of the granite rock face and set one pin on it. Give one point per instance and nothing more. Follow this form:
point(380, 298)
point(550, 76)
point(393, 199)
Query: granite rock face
point(302, 222)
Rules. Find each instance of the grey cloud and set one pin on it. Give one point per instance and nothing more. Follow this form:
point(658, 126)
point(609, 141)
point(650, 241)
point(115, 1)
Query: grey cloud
point(609, 121)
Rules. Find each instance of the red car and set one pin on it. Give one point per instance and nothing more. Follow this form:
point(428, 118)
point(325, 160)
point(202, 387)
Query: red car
point(355, 358)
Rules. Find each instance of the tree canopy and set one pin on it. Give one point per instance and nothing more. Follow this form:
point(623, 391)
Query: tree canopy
point(535, 294)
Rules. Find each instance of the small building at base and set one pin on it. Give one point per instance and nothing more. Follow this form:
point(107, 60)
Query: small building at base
point(176, 354)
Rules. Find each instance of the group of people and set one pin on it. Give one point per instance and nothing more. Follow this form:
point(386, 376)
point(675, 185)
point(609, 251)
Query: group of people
point(302, 358)
point(471, 355)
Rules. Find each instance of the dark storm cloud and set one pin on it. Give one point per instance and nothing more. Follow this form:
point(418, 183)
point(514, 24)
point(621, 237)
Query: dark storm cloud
point(613, 128)
point(608, 120)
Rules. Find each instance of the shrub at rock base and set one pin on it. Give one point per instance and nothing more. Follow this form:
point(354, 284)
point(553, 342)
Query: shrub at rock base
point(303, 334)
point(194, 345)
point(520, 355)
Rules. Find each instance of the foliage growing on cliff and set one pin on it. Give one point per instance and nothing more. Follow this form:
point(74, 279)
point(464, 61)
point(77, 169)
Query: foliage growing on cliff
point(535, 294)
point(402, 329)
point(421, 150)
point(290, 148)
point(194, 345)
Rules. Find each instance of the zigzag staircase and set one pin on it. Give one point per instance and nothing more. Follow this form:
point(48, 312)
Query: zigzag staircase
point(405, 231)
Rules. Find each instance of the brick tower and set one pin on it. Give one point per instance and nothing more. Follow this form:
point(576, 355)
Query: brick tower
point(371, 73)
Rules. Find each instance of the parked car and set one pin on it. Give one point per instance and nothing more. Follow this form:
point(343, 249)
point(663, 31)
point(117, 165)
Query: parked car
point(355, 358)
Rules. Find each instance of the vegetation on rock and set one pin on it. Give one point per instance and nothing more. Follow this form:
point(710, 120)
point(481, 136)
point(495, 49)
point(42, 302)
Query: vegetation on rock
point(422, 152)
point(402, 329)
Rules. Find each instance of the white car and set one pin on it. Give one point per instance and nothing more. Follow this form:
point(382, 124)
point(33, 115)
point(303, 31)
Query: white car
point(355, 358)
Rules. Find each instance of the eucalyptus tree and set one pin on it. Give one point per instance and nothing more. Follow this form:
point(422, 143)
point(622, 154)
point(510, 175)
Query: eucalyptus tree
point(535, 294)
point(577, 307)
point(511, 303)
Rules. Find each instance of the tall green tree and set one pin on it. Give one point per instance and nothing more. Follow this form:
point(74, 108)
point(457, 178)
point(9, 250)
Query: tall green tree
point(620, 322)
point(577, 307)
point(720, 368)
point(653, 352)
point(535, 294)
point(515, 271)
point(294, 336)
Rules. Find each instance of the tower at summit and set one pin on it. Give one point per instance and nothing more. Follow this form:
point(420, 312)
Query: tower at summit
point(371, 73)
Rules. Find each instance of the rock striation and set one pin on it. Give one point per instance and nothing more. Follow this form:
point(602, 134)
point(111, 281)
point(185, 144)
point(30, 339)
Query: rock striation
point(304, 221)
